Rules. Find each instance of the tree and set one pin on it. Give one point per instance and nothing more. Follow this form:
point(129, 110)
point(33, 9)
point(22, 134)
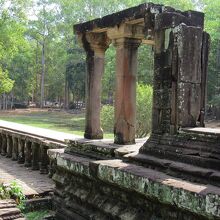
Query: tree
point(42, 30)
point(6, 85)
point(212, 26)
point(36, 39)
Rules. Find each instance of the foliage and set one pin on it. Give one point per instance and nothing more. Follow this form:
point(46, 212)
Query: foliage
point(75, 74)
point(212, 26)
point(27, 26)
point(144, 111)
point(6, 84)
point(215, 100)
point(107, 118)
point(37, 215)
point(12, 191)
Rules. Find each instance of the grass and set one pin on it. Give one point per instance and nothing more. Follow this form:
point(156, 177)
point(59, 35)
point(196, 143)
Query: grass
point(37, 215)
point(58, 121)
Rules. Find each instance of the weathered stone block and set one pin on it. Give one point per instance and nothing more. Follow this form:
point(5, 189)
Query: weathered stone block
point(189, 44)
point(112, 189)
point(168, 20)
point(189, 104)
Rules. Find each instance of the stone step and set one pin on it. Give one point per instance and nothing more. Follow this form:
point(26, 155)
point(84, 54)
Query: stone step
point(146, 182)
point(203, 131)
point(194, 157)
point(40, 203)
point(102, 149)
point(178, 169)
point(9, 210)
point(182, 143)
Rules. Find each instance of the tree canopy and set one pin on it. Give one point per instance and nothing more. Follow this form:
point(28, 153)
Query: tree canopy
point(40, 59)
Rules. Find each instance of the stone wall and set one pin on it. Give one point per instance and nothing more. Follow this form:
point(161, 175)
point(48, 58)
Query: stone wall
point(112, 189)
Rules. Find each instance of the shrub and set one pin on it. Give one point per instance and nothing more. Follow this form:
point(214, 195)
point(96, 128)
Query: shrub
point(215, 100)
point(107, 117)
point(12, 191)
point(144, 111)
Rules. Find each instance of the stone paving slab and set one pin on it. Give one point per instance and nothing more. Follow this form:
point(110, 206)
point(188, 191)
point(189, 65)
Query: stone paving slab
point(32, 182)
point(9, 210)
point(40, 132)
point(201, 130)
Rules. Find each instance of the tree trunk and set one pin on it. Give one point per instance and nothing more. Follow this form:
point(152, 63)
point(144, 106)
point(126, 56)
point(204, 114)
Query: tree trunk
point(42, 75)
point(66, 100)
point(0, 102)
point(4, 102)
point(12, 100)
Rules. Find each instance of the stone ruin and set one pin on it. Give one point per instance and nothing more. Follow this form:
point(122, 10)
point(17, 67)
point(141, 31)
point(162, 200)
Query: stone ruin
point(175, 174)
point(181, 54)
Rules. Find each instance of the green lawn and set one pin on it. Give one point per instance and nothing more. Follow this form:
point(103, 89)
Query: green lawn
point(58, 121)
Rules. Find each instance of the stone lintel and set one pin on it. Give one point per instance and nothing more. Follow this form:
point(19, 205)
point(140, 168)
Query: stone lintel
point(202, 200)
point(196, 18)
point(126, 31)
point(117, 18)
point(135, 15)
point(168, 20)
point(148, 42)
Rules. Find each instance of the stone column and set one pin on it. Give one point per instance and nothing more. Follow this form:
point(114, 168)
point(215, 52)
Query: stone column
point(15, 148)
point(125, 95)
point(44, 159)
point(35, 147)
point(27, 152)
point(95, 45)
point(4, 145)
point(21, 156)
point(9, 146)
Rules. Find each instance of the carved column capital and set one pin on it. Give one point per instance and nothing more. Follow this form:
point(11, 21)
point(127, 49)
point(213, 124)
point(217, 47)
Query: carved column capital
point(99, 42)
point(94, 42)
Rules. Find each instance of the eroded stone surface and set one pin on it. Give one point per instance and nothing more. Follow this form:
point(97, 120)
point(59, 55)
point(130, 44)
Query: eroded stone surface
point(145, 184)
point(9, 210)
point(32, 182)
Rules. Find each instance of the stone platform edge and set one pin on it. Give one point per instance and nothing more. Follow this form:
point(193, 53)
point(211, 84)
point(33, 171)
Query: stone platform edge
point(202, 200)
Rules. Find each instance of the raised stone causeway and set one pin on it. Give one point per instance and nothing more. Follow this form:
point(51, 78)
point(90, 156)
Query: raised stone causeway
point(24, 156)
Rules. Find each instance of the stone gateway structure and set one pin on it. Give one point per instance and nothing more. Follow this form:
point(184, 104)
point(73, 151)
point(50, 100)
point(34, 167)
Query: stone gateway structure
point(175, 174)
point(181, 53)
